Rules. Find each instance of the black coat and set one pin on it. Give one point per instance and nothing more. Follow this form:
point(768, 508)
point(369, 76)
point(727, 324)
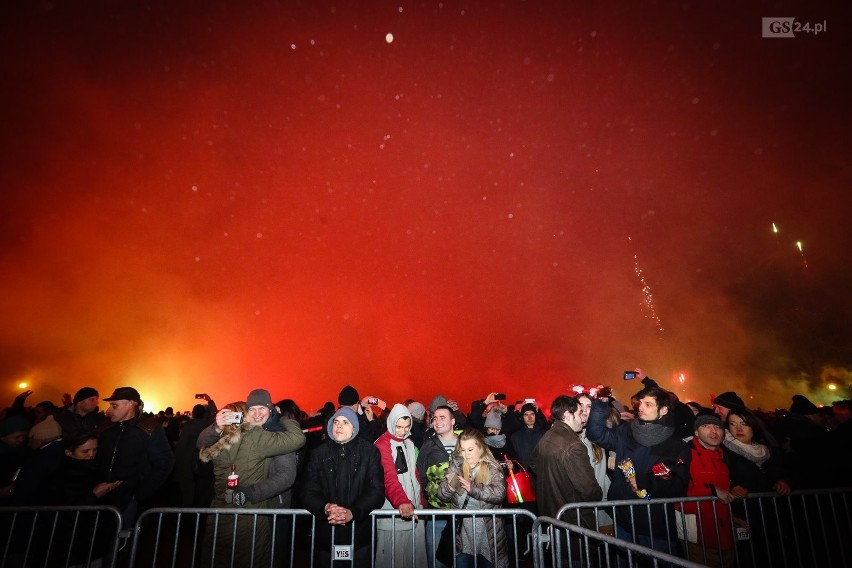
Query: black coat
point(349, 475)
point(137, 452)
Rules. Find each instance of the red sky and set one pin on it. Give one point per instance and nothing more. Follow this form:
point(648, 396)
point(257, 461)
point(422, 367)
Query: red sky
point(215, 197)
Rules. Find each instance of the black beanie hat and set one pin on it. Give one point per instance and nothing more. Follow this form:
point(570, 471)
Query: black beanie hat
point(729, 400)
point(703, 418)
point(84, 393)
point(348, 396)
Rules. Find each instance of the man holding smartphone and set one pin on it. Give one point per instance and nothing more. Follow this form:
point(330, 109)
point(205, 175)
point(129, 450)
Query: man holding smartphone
point(652, 461)
point(195, 478)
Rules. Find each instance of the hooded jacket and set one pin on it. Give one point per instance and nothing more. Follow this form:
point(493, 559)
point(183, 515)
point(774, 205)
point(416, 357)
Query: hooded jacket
point(400, 487)
point(348, 474)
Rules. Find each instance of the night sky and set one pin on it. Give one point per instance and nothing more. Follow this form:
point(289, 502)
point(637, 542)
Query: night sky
point(498, 196)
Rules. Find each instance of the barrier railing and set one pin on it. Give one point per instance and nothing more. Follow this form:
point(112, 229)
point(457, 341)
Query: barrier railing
point(517, 524)
point(557, 543)
point(223, 537)
point(767, 529)
point(49, 536)
point(806, 528)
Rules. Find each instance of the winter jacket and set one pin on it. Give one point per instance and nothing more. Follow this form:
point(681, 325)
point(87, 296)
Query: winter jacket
point(72, 483)
point(247, 447)
point(34, 477)
point(66, 539)
point(70, 420)
point(350, 475)
point(137, 452)
point(281, 470)
point(707, 470)
point(402, 486)
point(662, 470)
point(523, 441)
point(564, 473)
point(432, 464)
point(480, 497)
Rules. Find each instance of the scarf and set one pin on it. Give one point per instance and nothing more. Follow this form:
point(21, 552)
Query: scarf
point(496, 441)
point(650, 434)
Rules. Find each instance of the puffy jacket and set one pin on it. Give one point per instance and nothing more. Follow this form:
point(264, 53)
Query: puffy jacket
point(481, 496)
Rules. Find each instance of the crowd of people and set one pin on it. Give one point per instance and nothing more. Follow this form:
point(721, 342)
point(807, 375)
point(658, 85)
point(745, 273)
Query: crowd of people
point(361, 455)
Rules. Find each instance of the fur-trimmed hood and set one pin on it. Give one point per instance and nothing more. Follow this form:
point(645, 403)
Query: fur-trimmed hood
point(231, 434)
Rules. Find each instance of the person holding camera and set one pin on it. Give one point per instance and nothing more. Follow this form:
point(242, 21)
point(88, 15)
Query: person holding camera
point(369, 427)
point(239, 446)
point(652, 461)
point(194, 479)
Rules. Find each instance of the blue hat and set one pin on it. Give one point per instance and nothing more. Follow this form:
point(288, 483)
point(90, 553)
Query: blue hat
point(350, 415)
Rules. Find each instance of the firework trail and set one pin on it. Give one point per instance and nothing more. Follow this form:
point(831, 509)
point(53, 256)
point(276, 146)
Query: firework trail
point(802, 253)
point(648, 304)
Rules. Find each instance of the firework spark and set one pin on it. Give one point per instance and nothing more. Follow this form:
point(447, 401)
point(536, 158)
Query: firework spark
point(802, 253)
point(648, 304)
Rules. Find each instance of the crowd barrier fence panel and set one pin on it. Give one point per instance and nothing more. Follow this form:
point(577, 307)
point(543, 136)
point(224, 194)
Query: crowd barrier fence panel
point(42, 536)
point(188, 538)
point(558, 543)
point(803, 528)
point(513, 520)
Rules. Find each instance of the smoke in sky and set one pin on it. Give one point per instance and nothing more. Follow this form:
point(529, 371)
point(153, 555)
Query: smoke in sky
point(213, 198)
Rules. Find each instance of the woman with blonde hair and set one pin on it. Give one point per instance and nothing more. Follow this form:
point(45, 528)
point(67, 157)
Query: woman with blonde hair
point(474, 480)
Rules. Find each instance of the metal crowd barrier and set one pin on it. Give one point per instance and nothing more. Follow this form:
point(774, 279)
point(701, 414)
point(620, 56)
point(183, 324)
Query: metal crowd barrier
point(557, 543)
point(806, 528)
point(228, 537)
point(51, 536)
point(800, 529)
point(223, 537)
point(517, 524)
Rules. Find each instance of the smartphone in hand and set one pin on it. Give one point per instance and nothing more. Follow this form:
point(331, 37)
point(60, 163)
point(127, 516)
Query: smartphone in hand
point(454, 482)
